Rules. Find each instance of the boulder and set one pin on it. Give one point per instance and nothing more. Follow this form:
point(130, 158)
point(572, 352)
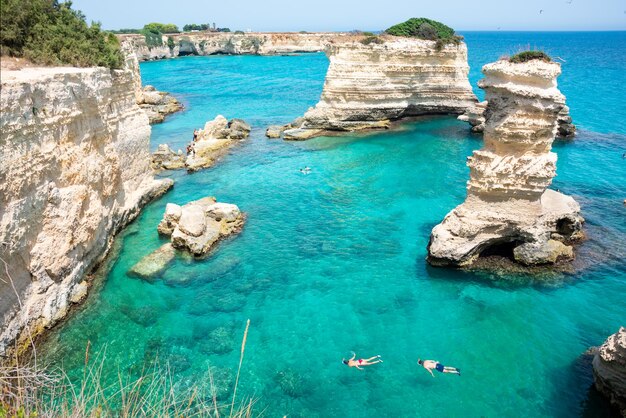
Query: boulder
point(542, 252)
point(197, 226)
point(300, 134)
point(274, 131)
point(154, 263)
point(172, 215)
point(609, 369)
point(164, 158)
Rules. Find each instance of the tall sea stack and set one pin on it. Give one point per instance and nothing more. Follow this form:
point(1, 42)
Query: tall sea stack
point(509, 210)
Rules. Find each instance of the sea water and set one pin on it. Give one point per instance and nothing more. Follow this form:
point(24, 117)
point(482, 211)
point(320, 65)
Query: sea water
point(333, 262)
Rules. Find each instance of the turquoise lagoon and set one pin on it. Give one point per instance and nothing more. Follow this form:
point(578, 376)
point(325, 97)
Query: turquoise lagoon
point(333, 262)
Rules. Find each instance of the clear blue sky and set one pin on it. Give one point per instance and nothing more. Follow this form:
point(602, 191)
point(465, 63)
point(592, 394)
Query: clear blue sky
point(338, 15)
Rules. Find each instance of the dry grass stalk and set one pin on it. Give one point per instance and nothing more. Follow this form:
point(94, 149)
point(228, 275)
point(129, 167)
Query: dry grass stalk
point(243, 348)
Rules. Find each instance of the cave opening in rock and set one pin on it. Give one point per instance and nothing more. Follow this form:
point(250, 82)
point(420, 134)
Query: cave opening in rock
point(565, 226)
point(500, 248)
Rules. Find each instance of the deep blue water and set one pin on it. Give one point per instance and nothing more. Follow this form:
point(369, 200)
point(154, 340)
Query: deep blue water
point(333, 262)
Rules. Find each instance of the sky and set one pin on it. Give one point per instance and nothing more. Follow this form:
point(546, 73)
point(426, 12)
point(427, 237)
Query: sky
point(370, 15)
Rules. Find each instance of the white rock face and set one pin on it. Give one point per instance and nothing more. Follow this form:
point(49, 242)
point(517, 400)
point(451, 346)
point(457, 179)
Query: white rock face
point(75, 169)
point(369, 84)
point(210, 43)
point(197, 226)
point(609, 369)
point(508, 207)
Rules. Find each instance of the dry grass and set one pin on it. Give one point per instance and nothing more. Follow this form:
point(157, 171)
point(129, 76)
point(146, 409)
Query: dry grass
point(29, 391)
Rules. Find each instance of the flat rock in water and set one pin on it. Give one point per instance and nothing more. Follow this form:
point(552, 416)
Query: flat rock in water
point(154, 263)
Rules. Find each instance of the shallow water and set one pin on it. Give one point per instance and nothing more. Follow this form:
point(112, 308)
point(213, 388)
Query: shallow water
point(333, 262)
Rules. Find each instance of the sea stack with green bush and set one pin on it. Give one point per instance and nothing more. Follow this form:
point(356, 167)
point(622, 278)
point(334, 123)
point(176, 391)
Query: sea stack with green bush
point(418, 67)
point(75, 169)
point(509, 210)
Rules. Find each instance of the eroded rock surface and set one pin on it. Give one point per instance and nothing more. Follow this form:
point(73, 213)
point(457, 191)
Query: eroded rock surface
point(197, 226)
point(609, 369)
point(75, 169)
point(370, 84)
point(217, 137)
point(158, 104)
point(154, 263)
point(508, 210)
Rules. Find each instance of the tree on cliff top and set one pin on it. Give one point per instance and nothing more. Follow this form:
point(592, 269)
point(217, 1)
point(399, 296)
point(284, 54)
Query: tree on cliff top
point(423, 28)
point(161, 28)
point(51, 33)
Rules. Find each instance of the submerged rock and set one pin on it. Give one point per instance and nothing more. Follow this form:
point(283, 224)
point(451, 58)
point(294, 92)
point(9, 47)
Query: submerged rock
point(609, 369)
point(197, 226)
point(154, 263)
point(508, 210)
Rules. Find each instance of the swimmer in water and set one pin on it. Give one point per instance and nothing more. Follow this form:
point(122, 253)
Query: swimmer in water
point(361, 362)
point(432, 364)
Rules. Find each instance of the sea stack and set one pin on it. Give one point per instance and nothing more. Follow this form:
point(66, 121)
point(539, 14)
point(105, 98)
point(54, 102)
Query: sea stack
point(508, 210)
point(372, 80)
point(609, 369)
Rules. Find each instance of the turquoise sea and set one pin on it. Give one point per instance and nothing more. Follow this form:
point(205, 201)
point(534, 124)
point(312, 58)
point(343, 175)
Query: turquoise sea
point(334, 261)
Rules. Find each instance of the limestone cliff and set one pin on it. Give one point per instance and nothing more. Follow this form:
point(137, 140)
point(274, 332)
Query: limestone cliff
point(508, 210)
point(371, 82)
point(211, 43)
point(75, 169)
point(609, 369)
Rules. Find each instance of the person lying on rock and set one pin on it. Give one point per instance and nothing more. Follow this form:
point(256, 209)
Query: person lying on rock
point(433, 364)
point(361, 362)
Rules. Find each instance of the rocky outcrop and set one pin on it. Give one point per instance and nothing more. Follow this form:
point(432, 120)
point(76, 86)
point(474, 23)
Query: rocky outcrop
point(197, 226)
point(164, 158)
point(369, 84)
point(75, 170)
point(475, 116)
point(508, 210)
point(212, 142)
point(211, 43)
point(609, 369)
point(154, 263)
point(158, 104)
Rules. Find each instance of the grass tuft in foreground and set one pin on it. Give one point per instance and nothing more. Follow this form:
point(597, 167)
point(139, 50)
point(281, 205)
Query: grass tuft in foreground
point(29, 391)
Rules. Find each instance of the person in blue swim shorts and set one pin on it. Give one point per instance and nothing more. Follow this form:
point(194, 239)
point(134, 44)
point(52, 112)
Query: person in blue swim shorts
point(431, 365)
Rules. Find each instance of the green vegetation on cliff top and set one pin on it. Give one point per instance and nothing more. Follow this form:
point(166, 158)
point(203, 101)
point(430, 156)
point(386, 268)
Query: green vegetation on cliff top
point(526, 56)
point(51, 33)
point(427, 29)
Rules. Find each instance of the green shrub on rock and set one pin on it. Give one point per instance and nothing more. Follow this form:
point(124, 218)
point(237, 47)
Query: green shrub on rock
point(372, 40)
point(526, 56)
point(427, 29)
point(51, 33)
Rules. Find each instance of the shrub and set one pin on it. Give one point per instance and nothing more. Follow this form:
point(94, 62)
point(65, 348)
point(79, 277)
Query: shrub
point(239, 32)
point(161, 27)
point(170, 43)
point(413, 28)
point(526, 56)
point(51, 33)
point(303, 31)
point(372, 40)
point(368, 33)
point(153, 39)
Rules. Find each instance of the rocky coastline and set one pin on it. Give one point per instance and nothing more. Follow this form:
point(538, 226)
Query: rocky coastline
point(369, 84)
point(609, 369)
point(209, 144)
point(75, 171)
point(213, 43)
point(508, 210)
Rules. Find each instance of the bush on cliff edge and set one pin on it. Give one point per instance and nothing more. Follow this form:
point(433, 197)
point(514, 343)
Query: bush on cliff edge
point(51, 33)
point(427, 29)
point(526, 56)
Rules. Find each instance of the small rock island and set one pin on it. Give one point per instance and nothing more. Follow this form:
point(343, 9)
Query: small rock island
point(508, 210)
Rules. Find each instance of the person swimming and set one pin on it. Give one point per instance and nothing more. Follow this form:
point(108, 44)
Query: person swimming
point(433, 364)
point(361, 362)
point(305, 170)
